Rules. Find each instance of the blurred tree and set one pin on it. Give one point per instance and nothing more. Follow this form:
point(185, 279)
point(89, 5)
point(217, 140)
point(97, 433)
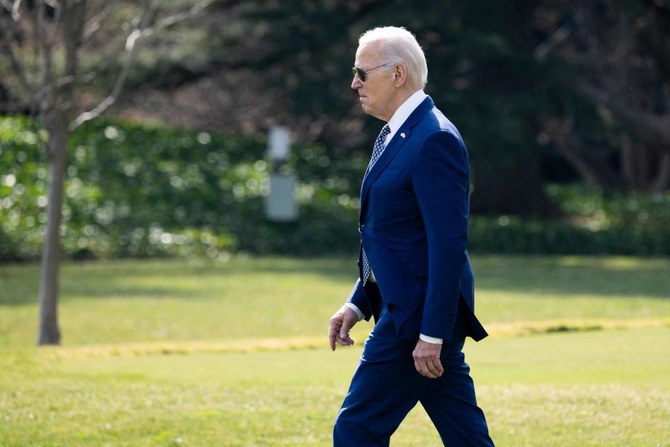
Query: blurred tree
point(43, 43)
point(542, 90)
point(499, 70)
point(618, 57)
point(481, 72)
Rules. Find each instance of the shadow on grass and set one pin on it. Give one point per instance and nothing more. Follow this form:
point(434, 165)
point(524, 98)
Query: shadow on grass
point(188, 279)
point(572, 275)
point(173, 278)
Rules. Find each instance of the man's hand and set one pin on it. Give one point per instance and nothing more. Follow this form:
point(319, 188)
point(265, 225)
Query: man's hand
point(340, 324)
point(427, 359)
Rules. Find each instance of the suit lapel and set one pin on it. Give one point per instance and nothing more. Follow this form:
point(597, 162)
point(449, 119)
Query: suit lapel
point(391, 150)
point(399, 138)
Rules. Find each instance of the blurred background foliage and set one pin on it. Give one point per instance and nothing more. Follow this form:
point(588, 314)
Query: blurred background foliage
point(148, 190)
point(139, 190)
point(563, 104)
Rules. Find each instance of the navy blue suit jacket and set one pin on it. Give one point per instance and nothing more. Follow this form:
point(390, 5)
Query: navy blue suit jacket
point(413, 225)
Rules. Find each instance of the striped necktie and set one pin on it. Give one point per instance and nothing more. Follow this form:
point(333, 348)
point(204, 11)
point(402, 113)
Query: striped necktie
point(376, 153)
point(379, 146)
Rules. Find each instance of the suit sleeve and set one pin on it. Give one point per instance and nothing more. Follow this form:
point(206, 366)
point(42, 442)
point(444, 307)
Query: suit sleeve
point(441, 183)
point(358, 298)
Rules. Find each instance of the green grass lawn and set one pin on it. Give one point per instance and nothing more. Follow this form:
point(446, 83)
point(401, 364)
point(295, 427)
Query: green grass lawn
point(202, 353)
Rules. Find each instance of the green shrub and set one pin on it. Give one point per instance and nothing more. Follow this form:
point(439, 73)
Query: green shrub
point(136, 191)
point(146, 191)
point(598, 208)
point(515, 235)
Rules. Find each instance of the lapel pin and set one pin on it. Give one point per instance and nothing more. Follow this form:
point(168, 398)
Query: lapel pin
point(402, 135)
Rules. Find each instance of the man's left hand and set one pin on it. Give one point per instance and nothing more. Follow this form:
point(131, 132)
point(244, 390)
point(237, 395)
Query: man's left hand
point(427, 359)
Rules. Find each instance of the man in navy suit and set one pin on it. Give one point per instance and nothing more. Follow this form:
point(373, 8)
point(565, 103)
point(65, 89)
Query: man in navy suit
point(415, 275)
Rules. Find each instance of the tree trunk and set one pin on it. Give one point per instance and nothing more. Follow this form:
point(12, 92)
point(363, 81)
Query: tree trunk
point(627, 159)
point(560, 132)
point(662, 181)
point(56, 125)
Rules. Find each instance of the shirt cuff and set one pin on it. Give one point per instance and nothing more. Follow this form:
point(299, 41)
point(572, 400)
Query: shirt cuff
point(355, 308)
point(427, 339)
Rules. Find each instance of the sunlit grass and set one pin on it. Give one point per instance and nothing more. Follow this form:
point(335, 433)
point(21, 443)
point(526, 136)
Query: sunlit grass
point(158, 301)
point(596, 388)
point(202, 353)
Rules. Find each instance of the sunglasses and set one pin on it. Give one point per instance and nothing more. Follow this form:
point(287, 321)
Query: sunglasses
point(362, 74)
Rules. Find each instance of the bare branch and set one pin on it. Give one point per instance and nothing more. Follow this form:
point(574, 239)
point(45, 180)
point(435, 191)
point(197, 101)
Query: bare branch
point(95, 23)
point(73, 26)
point(9, 26)
point(58, 12)
point(141, 31)
point(607, 72)
point(132, 47)
point(649, 125)
point(662, 181)
point(14, 7)
point(194, 11)
point(44, 96)
point(17, 66)
point(541, 52)
point(560, 132)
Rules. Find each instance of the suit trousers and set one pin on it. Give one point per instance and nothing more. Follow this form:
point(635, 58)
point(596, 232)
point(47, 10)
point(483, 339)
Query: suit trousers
point(386, 386)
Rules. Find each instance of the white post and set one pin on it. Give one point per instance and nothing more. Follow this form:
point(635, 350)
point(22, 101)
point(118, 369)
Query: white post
point(280, 204)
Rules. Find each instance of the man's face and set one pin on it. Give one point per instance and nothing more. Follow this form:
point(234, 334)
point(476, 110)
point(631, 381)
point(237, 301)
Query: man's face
point(377, 91)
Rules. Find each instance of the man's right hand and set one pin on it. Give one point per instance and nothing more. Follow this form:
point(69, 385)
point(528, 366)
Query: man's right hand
point(340, 324)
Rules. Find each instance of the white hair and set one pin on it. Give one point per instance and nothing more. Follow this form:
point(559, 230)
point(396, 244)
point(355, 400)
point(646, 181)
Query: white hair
point(399, 46)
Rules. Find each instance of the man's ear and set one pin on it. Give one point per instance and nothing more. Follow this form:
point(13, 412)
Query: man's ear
point(399, 75)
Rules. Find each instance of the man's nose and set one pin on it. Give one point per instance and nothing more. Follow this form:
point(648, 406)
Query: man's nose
point(356, 83)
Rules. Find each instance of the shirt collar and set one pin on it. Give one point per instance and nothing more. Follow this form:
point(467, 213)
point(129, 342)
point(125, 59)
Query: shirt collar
point(404, 111)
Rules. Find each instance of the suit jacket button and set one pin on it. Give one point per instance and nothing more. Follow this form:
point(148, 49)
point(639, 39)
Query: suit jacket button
point(361, 228)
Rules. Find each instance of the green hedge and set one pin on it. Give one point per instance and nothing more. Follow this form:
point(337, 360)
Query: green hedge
point(145, 191)
point(514, 235)
point(149, 191)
